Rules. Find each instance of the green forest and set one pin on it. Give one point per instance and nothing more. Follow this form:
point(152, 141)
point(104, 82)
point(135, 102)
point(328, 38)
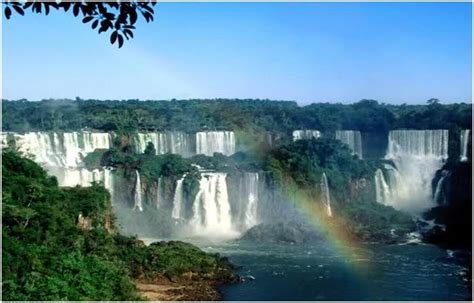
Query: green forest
point(228, 114)
point(50, 253)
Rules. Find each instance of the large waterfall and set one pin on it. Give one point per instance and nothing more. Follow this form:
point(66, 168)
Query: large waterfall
point(166, 142)
point(417, 155)
point(137, 197)
point(439, 195)
point(306, 134)
point(62, 154)
point(208, 143)
point(351, 138)
point(465, 136)
point(382, 189)
point(325, 196)
point(62, 149)
point(211, 207)
point(249, 190)
point(178, 200)
point(158, 193)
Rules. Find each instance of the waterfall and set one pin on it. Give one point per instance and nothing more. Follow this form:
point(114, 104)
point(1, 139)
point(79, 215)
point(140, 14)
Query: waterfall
point(211, 207)
point(417, 155)
point(137, 198)
point(351, 138)
point(382, 189)
point(325, 194)
point(159, 196)
point(65, 150)
point(465, 135)
point(306, 134)
point(439, 196)
point(248, 199)
point(93, 141)
point(4, 142)
point(165, 142)
point(210, 142)
point(178, 199)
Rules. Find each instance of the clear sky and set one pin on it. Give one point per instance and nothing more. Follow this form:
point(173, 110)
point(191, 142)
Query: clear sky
point(307, 52)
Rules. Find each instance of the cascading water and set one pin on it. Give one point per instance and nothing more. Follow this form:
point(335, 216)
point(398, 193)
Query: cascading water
point(137, 197)
point(62, 154)
point(178, 200)
point(211, 207)
point(165, 142)
point(4, 142)
point(159, 196)
point(306, 134)
point(325, 196)
point(465, 135)
point(417, 155)
point(352, 138)
point(439, 195)
point(248, 200)
point(208, 143)
point(382, 190)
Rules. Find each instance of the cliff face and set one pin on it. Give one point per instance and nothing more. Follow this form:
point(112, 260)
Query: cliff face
point(453, 215)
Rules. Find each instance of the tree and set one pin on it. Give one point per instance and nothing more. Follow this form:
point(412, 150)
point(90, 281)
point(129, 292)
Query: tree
point(432, 101)
point(117, 18)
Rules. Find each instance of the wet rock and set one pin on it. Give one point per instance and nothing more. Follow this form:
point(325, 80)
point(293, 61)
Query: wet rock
point(281, 233)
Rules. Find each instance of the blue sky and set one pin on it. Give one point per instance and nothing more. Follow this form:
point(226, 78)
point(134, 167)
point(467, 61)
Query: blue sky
point(307, 52)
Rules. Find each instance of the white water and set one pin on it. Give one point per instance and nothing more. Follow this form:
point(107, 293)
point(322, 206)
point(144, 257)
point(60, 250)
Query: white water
point(306, 134)
point(178, 200)
point(83, 177)
point(4, 142)
point(352, 138)
point(62, 154)
point(158, 194)
point(382, 190)
point(250, 190)
point(165, 142)
point(62, 149)
point(326, 198)
point(464, 144)
point(137, 197)
point(208, 143)
point(417, 155)
point(211, 207)
point(439, 197)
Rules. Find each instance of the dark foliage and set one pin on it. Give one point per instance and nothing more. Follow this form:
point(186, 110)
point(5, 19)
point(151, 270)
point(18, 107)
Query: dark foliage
point(117, 18)
point(247, 116)
point(47, 255)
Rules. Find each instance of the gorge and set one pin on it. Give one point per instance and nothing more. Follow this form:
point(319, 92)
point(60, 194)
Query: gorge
point(226, 186)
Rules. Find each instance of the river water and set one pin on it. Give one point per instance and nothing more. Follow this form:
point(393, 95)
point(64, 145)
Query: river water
point(320, 272)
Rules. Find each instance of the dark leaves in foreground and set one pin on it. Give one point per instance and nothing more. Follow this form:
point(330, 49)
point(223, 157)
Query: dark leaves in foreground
point(117, 18)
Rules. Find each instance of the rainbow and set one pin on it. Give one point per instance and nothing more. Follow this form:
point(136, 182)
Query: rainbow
point(308, 204)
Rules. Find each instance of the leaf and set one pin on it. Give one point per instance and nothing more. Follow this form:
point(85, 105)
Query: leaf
point(19, 10)
point(27, 5)
point(87, 19)
point(129, 32)
point(75, 9)
point(95, 23)
point(120, 40)
point(113, 37)
point(37, 7)
point(65, 5)
point(133, 17)
point(8, 12)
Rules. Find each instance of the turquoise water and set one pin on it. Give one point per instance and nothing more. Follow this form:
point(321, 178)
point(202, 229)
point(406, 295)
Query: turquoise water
point(319, 272)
